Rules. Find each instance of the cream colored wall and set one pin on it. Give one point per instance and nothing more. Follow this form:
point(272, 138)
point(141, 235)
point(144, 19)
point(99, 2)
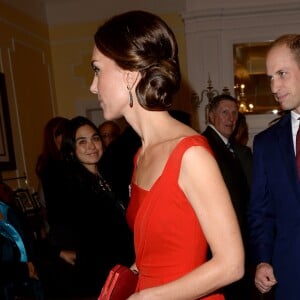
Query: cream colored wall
point(71, 47)
point(212, 30)
point(26, 62)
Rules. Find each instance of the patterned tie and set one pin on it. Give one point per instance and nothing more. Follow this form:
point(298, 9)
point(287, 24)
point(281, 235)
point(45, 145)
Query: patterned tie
point(229, 147)
point(298, 151)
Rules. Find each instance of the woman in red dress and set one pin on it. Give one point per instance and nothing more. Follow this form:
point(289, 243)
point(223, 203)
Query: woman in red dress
point(179, 204)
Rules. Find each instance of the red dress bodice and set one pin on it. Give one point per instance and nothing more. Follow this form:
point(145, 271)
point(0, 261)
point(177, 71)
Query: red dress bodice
point(168, 237)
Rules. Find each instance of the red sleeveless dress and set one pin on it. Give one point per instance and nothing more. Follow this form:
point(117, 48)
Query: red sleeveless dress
point(168, 238)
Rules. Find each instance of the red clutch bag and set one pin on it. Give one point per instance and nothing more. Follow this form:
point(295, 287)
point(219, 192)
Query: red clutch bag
point(119, 285)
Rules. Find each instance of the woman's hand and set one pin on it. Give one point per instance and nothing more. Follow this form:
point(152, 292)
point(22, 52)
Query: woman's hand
point(134, 269)
point(141, 295)
point(32, 271)
point(154, 293)
point(68, 256)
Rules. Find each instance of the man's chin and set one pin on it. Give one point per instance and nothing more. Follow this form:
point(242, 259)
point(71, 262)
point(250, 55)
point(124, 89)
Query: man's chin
point(286, 106)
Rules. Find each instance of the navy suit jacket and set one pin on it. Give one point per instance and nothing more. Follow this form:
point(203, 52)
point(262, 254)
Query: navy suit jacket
point(274, 211)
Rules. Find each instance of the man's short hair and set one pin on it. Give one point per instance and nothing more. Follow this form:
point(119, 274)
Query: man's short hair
point(292, 41)
point(213, 104)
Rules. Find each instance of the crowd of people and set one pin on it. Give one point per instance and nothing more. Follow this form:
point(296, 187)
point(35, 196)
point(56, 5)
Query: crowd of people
point(194, 215)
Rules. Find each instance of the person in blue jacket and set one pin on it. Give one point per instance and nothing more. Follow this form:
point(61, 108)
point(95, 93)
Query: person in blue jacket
point(274, 211)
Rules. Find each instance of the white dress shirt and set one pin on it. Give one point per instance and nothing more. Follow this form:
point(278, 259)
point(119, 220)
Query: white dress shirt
point(295, 125)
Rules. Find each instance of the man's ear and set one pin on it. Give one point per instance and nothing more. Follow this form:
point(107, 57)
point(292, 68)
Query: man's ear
point(131, 78)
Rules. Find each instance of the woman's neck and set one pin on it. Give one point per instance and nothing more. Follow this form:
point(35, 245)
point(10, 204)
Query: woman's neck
point(92, 168)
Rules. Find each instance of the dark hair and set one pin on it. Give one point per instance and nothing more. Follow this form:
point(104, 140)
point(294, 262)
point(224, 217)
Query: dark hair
point(68, 145)
point(213, 104)
point(241, 131)
point(116, 128)
point(52, 129)
point(292, 41)
point(143, 42)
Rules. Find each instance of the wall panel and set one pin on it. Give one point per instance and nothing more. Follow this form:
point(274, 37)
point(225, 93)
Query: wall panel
point(26, 62)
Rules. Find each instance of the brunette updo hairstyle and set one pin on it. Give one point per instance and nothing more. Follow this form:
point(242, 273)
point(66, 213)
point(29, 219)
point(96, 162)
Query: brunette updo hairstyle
point(143, 42)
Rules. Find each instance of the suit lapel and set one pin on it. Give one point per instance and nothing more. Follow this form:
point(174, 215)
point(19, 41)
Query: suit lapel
point(286, 146)
point(215, 140)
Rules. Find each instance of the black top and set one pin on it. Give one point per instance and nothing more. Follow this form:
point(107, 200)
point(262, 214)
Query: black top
point(116, 163)
point(84, 216)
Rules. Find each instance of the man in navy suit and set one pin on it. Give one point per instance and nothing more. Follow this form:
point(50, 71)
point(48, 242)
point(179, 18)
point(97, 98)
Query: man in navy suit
point(274, 211)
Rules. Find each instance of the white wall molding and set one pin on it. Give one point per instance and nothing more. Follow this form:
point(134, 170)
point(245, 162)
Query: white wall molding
point(211, 33)
point(227, 12)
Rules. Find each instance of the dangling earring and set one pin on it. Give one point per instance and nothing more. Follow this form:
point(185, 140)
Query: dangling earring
point(130, 97)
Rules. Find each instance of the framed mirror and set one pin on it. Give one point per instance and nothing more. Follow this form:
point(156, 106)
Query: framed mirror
point(251, 85)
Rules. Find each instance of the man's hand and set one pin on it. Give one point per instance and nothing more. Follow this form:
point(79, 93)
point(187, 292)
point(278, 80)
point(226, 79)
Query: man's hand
point(264, 277)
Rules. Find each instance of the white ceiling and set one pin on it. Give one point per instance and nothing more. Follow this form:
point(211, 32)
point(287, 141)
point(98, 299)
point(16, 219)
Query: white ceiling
point(92, 10)
point(56, 12)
